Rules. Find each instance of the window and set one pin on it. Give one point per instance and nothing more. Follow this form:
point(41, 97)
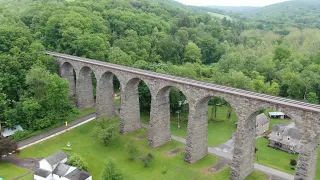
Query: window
point(278, 134)
point(288, 137)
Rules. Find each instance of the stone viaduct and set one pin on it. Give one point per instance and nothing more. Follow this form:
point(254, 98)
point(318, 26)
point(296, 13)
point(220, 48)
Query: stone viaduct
point(247, 105)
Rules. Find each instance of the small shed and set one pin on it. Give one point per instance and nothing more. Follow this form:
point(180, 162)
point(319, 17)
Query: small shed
point(10, 131)
point(280, 115)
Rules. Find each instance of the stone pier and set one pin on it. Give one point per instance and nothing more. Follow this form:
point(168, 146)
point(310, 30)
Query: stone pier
point(308, 158)
point(197, 138)
point(105, 95)
point(159, 128)
point(84, 89)
point(130, 109)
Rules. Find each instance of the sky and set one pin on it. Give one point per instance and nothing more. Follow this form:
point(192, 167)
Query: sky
point(230, 2)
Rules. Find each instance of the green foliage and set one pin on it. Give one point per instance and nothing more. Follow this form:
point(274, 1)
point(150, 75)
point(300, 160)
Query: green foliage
point(147, 159)
point(20, 135)
point(312, 98)
point(132, 150)
point(107, 129)
point(78, 161)
point(293, 162)
point(192, 53)
point(111, 171)
point(67, 149)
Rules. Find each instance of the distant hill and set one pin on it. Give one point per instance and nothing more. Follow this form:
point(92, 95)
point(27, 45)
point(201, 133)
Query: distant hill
point(235, 8)
point(295, 13)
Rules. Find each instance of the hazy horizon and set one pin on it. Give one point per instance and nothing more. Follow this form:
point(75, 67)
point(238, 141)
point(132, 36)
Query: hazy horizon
point(253, 3)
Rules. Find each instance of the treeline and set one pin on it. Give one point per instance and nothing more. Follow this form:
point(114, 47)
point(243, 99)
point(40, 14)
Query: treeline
point(160, 36)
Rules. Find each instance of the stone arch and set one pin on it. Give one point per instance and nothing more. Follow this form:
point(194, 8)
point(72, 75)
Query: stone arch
point(130, 105)
point(160, 116)
point(105, 94)
point(67, 72)
point(84, 88)
point(308, 153)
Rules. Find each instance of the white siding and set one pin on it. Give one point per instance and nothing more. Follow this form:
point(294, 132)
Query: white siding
point(89, 178)
point(45, 165)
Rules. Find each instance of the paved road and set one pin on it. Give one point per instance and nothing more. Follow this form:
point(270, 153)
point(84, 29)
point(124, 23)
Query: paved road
point(53, 131)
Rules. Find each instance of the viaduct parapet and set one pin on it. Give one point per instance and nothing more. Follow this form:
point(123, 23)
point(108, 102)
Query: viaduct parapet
point(78, 71)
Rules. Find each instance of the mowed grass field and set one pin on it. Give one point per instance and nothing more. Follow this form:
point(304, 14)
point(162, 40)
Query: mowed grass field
point(164, 166)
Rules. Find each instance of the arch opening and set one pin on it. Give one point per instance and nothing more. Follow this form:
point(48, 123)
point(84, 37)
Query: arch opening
point(108, 95)
point(212, 122)
point(135, 105)
point(67, 72)
point(86, 88)
point(169, 113)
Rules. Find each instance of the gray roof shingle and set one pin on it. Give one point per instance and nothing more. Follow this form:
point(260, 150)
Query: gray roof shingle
point(77, 174)
point(56, 158)
point(262, 119)
point(61, 169)
point(42, 173)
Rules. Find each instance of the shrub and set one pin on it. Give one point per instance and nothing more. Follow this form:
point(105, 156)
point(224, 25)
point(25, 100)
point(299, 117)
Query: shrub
point(293, 162)
point(42, 123)
point(20, 135)
point(67, 149)
point(107, 129)
point(78, 161)
point(132, 150)
point(111, 171)
point(147, 159)
point(7, 146)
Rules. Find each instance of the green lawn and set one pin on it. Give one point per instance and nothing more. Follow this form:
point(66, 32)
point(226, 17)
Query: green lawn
point(9, 171)
point(72, 117)
point(95, 153)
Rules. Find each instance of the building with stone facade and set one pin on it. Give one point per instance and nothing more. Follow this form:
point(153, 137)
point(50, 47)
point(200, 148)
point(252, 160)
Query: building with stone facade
point(286, 137)
point(262, 124)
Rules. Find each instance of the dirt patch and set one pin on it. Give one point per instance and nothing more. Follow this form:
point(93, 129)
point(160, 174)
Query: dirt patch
point(141, 137)
point(28, 163)
point(223, 163)
point(174, 152)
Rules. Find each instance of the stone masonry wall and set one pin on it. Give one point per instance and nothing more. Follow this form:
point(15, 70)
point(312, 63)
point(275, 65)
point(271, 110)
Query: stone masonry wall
point(197, 141)
point(105, 95)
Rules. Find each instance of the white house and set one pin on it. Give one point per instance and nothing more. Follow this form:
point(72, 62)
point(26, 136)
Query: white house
point(51, 162)
point(54, 168)
point(262, 124)
point(286, 137)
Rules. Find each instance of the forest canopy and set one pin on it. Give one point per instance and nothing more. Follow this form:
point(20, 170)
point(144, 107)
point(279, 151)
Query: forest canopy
point(162, 36)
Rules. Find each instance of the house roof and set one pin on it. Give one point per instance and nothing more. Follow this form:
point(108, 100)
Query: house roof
point(292, 131)
point(56, 158)
point(276, 114)
point(279, 127)
point(262, 119)
point(10, 131)
point(61, 169)
point(42, 173)
point(77, 174)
